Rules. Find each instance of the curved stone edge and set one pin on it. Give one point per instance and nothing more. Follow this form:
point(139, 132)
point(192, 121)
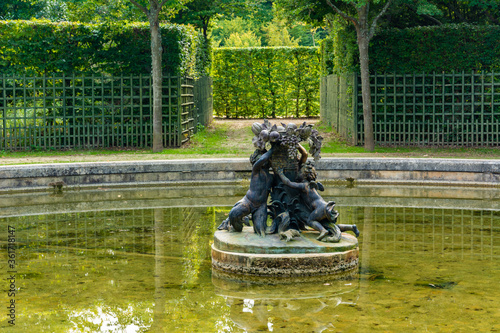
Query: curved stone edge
point(285, 264)
point(231, 282)
point(249, 242)
point(382, 170)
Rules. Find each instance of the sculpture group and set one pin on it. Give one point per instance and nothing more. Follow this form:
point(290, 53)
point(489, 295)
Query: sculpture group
point(280, 168)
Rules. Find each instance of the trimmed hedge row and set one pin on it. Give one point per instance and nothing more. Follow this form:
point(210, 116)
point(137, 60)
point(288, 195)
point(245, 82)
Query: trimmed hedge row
point(43, 47)
point(445, 48)
point(266, 81)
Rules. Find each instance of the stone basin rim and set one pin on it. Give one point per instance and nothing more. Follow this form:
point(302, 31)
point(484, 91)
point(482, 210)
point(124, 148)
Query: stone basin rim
point(439, 172)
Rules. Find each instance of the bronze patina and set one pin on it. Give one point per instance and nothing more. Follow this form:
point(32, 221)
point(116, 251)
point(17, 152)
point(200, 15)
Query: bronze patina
point(295, 203)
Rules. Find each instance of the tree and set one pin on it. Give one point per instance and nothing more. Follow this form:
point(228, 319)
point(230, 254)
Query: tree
point(224, 28)
point(156, 50)
point(99, 11)
point(278, 35)
point(437, 12)
point(201, 13)
point(20, 10)
point(365, 16)
point(365, 29)
point(245, 39)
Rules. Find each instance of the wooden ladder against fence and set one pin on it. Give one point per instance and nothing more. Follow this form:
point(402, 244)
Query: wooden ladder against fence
point(62, 112)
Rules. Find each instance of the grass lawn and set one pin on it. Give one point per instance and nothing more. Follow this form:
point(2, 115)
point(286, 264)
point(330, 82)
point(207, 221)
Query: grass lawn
point(233, 138)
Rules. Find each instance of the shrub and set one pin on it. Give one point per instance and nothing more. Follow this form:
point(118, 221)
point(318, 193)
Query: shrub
point(446, 48)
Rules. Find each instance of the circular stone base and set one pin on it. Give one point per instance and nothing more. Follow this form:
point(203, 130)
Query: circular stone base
point(248, 253)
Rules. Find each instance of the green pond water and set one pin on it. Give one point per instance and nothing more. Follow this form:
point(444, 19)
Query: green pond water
point(139, 261)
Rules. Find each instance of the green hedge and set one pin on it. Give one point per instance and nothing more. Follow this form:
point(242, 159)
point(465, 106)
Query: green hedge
point(445, 48)
point(339, 51)
point(266, 81)
point(43, 47)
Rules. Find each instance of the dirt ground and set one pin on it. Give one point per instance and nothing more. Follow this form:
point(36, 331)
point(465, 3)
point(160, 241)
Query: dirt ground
point(239, 131)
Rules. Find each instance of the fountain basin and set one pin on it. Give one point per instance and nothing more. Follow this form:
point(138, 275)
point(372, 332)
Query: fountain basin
point(402, 171)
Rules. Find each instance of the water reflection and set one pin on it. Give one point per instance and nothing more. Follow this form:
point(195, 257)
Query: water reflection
point(149, 270)
point(290, 306)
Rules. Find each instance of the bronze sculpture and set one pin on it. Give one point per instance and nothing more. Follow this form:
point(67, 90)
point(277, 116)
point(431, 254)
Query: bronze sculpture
point(255, 201)
point(295, 201)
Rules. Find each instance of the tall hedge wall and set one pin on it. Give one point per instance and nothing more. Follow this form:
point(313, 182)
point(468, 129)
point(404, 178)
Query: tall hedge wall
point(43, 47)
point(339, 51)
point(445, 48)
point(266, 81)
point(439, 48)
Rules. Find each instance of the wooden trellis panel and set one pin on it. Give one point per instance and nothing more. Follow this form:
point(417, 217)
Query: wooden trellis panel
point(444, 109)
point(62, 112)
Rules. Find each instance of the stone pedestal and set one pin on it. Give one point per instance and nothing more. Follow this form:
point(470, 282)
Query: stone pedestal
point(250, 254)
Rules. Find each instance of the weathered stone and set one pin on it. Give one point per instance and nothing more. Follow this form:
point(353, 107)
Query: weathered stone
point(360, 170)
point(249, 242)
point(249, 254)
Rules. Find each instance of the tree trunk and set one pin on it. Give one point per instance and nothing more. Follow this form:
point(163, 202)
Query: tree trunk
point(363, 43)
point(156, 71)
point(160, 270)
point(156, 51)
point(205, 22)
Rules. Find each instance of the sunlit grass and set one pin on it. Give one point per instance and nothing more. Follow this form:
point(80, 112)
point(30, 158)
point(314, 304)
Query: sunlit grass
point(220, 140)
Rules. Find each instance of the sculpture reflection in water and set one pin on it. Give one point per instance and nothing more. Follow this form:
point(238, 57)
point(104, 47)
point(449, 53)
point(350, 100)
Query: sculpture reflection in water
point(295, 201)
point(313, 307)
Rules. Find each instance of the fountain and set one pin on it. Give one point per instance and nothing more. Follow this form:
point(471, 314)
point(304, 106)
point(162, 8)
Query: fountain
point(138, 259)
point(106, 256)
point(290, 245)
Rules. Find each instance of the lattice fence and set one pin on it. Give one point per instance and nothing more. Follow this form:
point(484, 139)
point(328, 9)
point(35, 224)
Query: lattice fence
point(443, 109)
point(61, 112)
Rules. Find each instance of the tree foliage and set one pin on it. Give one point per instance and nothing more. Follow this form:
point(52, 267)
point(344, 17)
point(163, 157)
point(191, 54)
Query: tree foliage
point(245, 39)
point(100, 11)
point(201, 13)
point(278, 35)
point(264, 21)
point(53, 10)
point(407, 14)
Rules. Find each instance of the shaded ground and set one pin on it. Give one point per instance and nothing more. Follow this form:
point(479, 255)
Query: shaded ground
point(233, 138)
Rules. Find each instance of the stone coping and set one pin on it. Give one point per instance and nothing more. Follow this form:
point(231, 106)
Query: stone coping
point(103, 198)
point(376, 170)
point(250, 242)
